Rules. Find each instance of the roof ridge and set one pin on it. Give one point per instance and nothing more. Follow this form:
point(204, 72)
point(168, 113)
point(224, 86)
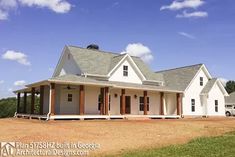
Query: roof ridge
point(115, 53)
point(179, 68)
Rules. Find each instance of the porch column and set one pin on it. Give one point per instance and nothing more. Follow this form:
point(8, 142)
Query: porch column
point(81, 100)
point(123, 102)
point(41, 99)
point(32, 100)
point(145, 103)
point(25, 102)
point(52, 98)
point(179, 104)
point(106, 100)
point(102, 101)
point(18, 103)
point(161, 103)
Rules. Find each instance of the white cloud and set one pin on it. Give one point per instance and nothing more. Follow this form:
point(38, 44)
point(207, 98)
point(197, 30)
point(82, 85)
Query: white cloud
point(19, 83)
point(177, 5)
point(196, 14)
point(5, 6)
point(1, 81)
point(16, 56)
point(58, 6)
point(139, 50)
point(186, 35)
point(3, 15)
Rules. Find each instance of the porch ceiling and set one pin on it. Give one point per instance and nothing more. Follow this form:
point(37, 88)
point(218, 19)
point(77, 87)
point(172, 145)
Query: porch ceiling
point(80, 80)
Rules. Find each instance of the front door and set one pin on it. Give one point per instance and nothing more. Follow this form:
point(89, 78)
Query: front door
point(128, 104)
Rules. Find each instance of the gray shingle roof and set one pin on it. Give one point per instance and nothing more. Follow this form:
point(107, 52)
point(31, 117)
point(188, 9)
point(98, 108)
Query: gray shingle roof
point(74, 79)
point(180, 78)
point(92, 61)
point(209, 86)
point(100, 63)
point(230, 99)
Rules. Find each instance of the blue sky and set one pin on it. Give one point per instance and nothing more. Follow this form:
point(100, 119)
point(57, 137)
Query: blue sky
point(172, 33)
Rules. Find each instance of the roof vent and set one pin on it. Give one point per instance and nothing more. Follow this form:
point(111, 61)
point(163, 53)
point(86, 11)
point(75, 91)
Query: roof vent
point(93, 47)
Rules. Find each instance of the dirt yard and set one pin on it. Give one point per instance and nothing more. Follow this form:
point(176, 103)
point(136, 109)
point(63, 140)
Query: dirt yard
point(115, 136)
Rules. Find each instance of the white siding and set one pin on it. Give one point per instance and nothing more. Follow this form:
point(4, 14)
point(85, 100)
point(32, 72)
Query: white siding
point(46, 100)
point(193, 92)
point(132, 77)
point(215, 94)
point(67, 65)
point(91, 99)
point(154, 102)
point(67, 107)
point(171, 107)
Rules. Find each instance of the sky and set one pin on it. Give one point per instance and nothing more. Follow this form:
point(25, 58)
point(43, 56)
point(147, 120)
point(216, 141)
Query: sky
point(164, 33)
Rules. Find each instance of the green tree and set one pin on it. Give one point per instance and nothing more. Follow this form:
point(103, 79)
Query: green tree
point(230, 86)
point(8, 106)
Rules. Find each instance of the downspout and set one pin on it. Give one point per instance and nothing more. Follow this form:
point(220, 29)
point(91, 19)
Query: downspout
point(16, 108)
point(49, 113)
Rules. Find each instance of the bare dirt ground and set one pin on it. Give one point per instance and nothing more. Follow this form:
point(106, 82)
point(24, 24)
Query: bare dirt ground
point(115, 136)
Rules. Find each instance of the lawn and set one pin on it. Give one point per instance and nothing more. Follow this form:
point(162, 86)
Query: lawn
point(220, 146)
point(121, 136)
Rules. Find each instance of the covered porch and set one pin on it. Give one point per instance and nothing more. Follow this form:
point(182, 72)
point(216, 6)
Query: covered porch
point(88, 100)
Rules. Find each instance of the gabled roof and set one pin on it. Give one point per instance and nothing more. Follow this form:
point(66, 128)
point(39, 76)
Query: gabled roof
point(180, 78)
point(230, 99)
point(98, 62)
point(209, 86)
point(92, 61)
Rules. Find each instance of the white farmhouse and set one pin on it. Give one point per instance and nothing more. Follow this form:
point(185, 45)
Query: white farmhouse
point(91, 84)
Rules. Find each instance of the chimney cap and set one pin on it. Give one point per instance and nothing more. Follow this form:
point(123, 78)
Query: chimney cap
point(93, 47)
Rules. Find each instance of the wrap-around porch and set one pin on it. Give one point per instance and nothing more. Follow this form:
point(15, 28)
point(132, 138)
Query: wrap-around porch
point(81, 101)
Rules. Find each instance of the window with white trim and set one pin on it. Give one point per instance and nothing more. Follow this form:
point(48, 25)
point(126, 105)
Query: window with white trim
point(216, 105)
point(70, 97)
point(193, 105)
point(125, 70)
point(141, 103)
point(100, 101)
point(201, 81)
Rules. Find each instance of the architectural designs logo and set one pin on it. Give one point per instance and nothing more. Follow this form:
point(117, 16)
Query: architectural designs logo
point(7, 149)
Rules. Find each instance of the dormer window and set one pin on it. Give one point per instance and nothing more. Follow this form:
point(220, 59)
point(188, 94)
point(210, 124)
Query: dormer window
point(125, 70)
point(201, 81)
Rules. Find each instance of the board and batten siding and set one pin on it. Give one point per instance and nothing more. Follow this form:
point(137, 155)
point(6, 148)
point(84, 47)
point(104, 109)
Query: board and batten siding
point(132, 77)
point(193, 92)
point(215, 94)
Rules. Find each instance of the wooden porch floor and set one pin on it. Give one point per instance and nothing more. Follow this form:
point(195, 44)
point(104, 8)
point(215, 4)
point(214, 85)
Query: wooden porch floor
point(86, 117)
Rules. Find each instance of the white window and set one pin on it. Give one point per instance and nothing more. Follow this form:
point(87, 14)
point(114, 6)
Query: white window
point(141, 103)
point(201, 81)
point(216, 105)
point(125, 70)
point(193, 105)
point(70, 97)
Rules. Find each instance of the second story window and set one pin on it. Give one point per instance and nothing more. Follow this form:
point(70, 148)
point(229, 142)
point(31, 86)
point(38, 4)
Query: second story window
point(125, 70)
point(201, 81)
point(193, 105)
point(216, 105)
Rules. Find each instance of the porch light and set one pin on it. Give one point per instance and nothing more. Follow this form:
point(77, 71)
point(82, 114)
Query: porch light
point(135, 96)
point(115, 95)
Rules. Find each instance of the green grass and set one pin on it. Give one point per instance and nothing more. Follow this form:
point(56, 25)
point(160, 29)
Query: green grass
point(222, 146)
